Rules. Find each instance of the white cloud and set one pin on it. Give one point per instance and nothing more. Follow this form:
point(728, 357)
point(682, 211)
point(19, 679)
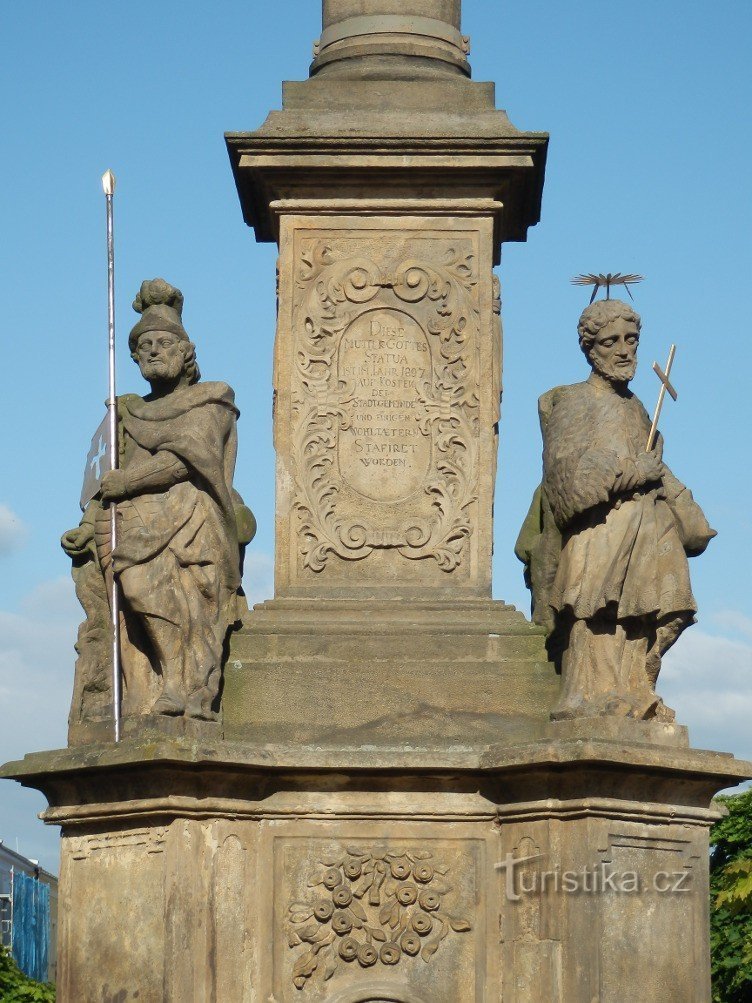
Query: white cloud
point(13, 531)
point(55, 598)
point(258, 577)
point(733, 620)
point(707, 679)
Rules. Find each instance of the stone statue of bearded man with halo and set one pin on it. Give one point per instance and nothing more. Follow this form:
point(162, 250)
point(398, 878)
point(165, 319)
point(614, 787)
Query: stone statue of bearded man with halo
point(607, 537)
point(180, 532)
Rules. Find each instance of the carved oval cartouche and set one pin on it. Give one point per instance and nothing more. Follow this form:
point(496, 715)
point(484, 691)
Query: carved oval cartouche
point(384, 358)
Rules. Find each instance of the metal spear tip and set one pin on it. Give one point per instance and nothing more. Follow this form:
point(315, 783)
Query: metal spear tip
point(108, 183)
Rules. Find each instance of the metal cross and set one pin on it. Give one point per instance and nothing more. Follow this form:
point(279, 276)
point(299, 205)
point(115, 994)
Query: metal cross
point(665, 385)
point(96, 460)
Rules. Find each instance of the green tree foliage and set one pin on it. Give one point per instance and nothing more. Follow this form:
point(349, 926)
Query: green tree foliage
point(731, 901)
point(15, 987)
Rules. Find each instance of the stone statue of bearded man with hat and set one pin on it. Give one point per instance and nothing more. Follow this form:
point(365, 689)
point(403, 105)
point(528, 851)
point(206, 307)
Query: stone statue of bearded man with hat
point(180, 530)
point(607, 537)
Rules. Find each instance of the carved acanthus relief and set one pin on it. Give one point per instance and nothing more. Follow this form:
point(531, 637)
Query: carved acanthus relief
point(371, 908)
point(385, 403)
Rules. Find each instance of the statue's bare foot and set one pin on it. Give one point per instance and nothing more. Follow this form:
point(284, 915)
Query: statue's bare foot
point(645, 709)
point(170, 705)
point(198, 707)
point(667, 715)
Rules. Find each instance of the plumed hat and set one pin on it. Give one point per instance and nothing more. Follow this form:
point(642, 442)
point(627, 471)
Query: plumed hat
point(161, 309)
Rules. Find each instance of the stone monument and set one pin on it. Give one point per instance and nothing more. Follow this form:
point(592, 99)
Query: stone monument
point(383, 808)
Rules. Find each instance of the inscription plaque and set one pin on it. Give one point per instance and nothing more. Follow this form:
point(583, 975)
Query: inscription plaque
point(385, 454)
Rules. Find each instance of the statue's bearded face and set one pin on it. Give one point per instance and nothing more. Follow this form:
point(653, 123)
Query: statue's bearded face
point(160, 356)
point(614, 352)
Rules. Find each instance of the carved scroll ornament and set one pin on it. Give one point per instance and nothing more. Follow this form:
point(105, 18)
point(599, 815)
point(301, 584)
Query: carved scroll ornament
point(434, 301)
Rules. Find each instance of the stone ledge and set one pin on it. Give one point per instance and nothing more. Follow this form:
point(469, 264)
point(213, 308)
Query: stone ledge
point(373, 759)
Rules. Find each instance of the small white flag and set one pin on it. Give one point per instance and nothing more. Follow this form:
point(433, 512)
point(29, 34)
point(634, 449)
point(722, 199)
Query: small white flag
point(98, 462)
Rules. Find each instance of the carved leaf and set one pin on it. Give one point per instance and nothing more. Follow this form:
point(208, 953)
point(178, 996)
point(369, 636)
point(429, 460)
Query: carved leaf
point(309, 931)
point(459, 925)
point(305, 965)
point(331, 967)
point(356, 851)
point(430, 949)
point(332, 860)
point(365, 883)
point(357, 910)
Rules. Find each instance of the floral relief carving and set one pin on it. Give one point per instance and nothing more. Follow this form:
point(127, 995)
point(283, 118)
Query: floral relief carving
point(438, 299)
point(370, 908)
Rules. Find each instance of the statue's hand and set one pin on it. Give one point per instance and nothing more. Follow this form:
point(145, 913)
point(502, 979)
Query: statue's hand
point(114, 486)
point(76, 541)
point(650, 468)
point(646, 468)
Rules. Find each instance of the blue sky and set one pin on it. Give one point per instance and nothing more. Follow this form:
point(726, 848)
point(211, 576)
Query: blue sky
point(648, 108)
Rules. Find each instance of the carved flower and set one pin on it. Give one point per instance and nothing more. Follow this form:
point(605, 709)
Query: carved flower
point(342, 897)
point(348, 949)
point(332, 878)
point(390, 953)
point(400, 869)
point(407, 894)
point(323, 910)
point(422, 924)
point(341, 923)
point(353, 868)
point(428, 900)
point(410, 943)
point(423, 873)
point(367, 955)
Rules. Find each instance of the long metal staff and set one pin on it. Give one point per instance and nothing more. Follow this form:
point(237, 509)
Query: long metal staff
point(108, 184)
point(665, 385)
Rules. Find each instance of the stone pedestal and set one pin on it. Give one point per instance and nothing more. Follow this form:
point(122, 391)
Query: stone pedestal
point(240, 872)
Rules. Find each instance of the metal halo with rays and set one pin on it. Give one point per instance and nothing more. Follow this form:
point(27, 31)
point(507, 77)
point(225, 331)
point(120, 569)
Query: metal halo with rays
point(607, 280)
